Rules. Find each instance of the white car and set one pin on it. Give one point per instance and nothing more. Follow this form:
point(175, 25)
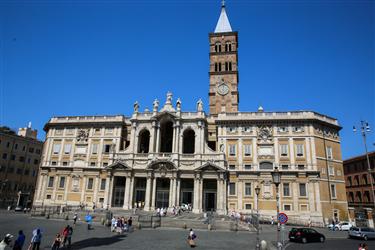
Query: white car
point(344, 226)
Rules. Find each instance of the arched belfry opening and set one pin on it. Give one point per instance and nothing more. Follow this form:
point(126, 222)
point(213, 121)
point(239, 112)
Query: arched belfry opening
point(166, 135)
point(144, 141)
point(188, 141)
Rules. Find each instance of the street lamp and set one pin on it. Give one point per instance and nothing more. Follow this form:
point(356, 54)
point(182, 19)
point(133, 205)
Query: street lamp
point(365, 128)
point(257, 191)
point(276, 178)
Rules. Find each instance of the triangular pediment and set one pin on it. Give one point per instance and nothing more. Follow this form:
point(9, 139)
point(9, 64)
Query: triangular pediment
point(166, 113)
point(118, 165)
point(210, 166)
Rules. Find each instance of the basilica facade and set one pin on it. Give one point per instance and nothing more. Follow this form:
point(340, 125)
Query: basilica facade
point(167, 157)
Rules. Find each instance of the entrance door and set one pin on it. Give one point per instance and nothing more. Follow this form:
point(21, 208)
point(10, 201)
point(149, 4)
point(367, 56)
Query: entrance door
point(209, 201)
point(118, 192)
point(162, 198)
point(139, 192)
point(186, 197)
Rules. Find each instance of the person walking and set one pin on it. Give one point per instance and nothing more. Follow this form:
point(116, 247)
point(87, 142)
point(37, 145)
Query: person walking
point(57, 242)
point(6, 241)
point(88, 219)
point(69, 237)
point(130, 223)
point(75, 217)
point(18, 244)
point(191, 238)
point(36, 239)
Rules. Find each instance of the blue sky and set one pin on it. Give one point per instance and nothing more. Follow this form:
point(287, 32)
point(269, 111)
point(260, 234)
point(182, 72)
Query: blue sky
point(99, 57)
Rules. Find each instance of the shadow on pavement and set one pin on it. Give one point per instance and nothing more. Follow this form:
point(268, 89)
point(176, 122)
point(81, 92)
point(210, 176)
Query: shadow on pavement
point(97, 242)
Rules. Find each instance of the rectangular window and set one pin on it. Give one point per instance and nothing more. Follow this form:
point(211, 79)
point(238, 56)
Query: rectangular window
point(329, 153)
point(56, 148)
point(50, 181)
point(286, 189)
point(105, 164)
point(232, 167)
point(101, 200)
point(70, 131)
point(90, 183)
point(232, 150)
point(94, 149)
point(16, 146)
point(331, 170)
point(247, 150)
point(36, 161)
point(232, 188)
point(92, 164)
point(5, 155)
point(31, 150)
point(65, 163)
point(97, 130)
point(107, 148)
point(109, 130)
point(67, 148)
point(303, 207)
point(287, 207)
point(27, 172)
point(231, 129)
point(247, 167)
point(13, 157)
point(248, 189)
point(37, 151)
point(298, 129)
point(283, 150)
point(283, 129)
point(301, 167)
point(54, 163)
point(19, 171)
point(299, 149)
point(302, 189)
point(102, 184)
point(248, 206)
point(284, 167)
point(246, 129)
point(58, 132)
point(48, 196)
point(333, 191)
point(62, 182)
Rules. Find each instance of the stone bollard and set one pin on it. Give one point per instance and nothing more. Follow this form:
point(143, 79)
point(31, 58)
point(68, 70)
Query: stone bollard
point(47, 216)
point(209, 227)
point(66, 217)
point(102, 221)
point(139, 226)
point(184, 226)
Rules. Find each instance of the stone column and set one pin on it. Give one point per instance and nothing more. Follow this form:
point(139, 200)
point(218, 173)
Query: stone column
point(295, 194)
point(308, 154)
point(219, 195)
point(291, 154)
point(174, 193)
point(41, 187)
point(107, 192)
point(133, 133)
point(178, 191)
point(311, 196)
point(152, 138)
point(153, 197)
point(127, 193)
point(277, 154)
point(148, 193)
point(96, 187)
point(313, 154)
point(200, 197)
point(240, 154)
point(174, 136)
point(157, 148)
point(170, 200)
point(240, 194)
point(255, 154)
point(317, 198)
point(83, 191)
point(66, 188)
point(196, 208)
point(370, 218)
point(131, 194)
point(110, 191)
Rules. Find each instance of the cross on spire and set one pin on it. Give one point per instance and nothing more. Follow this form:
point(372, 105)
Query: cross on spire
point(223, 3)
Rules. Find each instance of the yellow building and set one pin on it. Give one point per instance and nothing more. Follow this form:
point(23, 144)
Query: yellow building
point(166, 157)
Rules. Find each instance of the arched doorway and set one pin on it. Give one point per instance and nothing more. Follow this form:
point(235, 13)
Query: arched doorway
point(188, 142)
point(144, 141)
point(166, 136)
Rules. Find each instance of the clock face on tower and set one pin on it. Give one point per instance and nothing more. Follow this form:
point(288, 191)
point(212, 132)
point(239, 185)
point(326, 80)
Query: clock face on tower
point(223, 89)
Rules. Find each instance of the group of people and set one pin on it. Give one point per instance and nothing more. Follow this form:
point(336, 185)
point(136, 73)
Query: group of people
point(35, 241)
point(172, 211)
point(121, 225)
point(363, 246)
point(63, 239)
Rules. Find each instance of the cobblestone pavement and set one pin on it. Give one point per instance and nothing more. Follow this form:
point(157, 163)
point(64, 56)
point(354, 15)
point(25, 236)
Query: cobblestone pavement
point(163, 238)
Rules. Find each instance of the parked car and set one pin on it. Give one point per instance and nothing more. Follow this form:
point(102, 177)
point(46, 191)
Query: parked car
point(344, 226)
point(18, 209)
point(362, 233)
point(305, 235)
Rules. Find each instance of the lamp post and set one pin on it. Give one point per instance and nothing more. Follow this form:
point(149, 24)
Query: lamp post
point(276, 178)
point(257, 191)
point(365, 128)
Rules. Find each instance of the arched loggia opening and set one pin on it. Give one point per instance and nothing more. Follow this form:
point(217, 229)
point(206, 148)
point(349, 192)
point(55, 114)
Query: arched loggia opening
point(144, 141)
point(166, 136)
point(188, 142)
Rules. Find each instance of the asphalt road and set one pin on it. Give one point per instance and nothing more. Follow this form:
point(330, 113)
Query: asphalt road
point(332, 244)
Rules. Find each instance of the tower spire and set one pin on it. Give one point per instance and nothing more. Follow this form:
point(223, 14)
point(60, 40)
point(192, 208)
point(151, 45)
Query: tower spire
point(223, 24)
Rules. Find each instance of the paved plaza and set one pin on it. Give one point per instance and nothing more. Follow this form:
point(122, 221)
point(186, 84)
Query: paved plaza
point(162, 238)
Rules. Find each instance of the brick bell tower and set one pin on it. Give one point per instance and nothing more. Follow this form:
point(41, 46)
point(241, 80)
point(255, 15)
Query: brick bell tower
point(223, 92)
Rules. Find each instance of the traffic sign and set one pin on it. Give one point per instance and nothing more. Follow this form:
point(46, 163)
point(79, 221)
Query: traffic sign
point(283, 218)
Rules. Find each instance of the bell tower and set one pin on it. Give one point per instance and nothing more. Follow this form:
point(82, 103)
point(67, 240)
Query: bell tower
point(223, 91)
